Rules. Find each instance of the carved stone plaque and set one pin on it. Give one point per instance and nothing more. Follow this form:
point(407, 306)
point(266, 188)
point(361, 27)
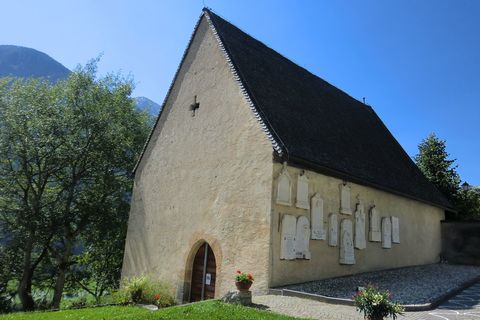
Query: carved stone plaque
point(386, 232)
point(289, 229)
point(347, 253)
point(375, 233)
point(332, 230)
point(302, 238)
point(395, 230)
point(360, 241)
point(302, 192)
point(345, 199)
point(318, 229)
point(284, 188)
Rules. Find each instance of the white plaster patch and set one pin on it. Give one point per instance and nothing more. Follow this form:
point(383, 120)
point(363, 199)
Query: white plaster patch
point(347, 253)
point(375, 234)
point(333, 230)
point(302, 238)
point(318, 229)
point(302, 192)
point(289, 229)
point(386, 232)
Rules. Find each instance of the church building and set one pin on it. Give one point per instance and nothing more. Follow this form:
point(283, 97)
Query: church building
point(256, 164)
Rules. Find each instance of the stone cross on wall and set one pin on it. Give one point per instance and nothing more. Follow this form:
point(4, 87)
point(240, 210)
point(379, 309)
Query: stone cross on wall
point(194, 106)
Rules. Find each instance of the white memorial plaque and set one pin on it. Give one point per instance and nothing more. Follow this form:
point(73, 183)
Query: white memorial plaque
point(302, 192)
point(333, 230)
point(386, 232)
point(208, 279)
point(302, 238)
point(284, 187)
point(395, 230)
point(374, 234)
point(345, 199)
point(289, 228)
point(347, 253)
point(318, 228)
point(360, 241)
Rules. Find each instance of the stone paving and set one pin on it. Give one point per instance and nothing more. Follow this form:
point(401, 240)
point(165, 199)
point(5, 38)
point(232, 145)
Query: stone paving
point(464, 306)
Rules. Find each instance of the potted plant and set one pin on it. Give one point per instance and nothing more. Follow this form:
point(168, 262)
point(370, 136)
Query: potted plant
point(243, 281)
point(376, 304)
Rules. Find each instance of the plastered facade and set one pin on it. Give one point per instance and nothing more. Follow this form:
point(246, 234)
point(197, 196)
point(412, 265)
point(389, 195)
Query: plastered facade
point(420, 238)
point(203, 178)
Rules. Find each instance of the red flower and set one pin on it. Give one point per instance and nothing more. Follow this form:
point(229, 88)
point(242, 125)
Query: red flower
point(157, 297)
point(249, 276)
point(239, 272)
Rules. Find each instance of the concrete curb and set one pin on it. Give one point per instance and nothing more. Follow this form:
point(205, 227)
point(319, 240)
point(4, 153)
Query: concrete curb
point(348, 302)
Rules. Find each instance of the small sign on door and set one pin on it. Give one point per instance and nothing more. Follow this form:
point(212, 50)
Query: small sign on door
point(208, 279)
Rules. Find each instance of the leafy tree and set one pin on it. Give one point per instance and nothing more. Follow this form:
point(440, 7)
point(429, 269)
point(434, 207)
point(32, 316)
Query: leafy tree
point(433, 160)
point(468, 203)
point(30, 136)
point(66, 151)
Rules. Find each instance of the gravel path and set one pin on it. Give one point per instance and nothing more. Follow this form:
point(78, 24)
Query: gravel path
point(412, 285)
point(464, 306)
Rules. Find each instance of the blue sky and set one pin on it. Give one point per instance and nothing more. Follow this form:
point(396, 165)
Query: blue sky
point(416, 62)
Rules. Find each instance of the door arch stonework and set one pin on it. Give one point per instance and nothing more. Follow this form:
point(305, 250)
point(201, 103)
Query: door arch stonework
point(195, 245)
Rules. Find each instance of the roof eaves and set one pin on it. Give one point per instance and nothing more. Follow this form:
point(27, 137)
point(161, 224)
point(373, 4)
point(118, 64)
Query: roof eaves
point(409, 160)
point(274, 139)
point(168, 94)
point(305, 164)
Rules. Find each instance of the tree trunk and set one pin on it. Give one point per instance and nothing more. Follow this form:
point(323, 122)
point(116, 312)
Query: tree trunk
point(25, 284)
point(61, 274)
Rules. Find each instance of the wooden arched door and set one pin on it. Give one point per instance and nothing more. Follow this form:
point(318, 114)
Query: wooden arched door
point(203, 274)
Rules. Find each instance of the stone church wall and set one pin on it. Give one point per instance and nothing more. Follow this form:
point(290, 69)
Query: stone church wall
point(418, 234)
point(203, 177)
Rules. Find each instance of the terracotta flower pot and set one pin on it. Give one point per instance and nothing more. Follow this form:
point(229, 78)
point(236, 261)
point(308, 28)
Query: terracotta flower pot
point(243, 286)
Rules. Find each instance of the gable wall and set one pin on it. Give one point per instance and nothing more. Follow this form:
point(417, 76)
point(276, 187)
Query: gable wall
point(206, 177)
point(420, 238)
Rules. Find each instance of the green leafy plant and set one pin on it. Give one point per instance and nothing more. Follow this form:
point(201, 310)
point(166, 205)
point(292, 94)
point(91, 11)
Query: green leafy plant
point(376, 304)
point(243, 277)
point(144, 289)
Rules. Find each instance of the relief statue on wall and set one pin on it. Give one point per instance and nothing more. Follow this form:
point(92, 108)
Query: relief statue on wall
point(316, 207)
point(302, 238)
point(284, 187)
point(345, 199)
point(360, 241)
point(386, 233)
point(302, 192)
point(347, 253)
point(287, 244)
point(395, 230)
point(332, 230)
point(375, 233)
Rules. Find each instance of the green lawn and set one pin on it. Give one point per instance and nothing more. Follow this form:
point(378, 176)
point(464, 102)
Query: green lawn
point(214, 310)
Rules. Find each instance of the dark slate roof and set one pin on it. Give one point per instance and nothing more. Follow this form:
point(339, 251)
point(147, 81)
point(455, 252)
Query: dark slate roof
point(318, 125)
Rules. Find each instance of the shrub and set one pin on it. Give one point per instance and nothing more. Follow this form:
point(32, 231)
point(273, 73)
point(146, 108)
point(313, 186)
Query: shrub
point(78, 302)
point(144, 289)
point(375, 304)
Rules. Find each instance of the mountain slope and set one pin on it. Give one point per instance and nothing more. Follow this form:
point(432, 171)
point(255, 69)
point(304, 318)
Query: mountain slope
point(17, 61)
point(148, 105)
point(25, 62)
